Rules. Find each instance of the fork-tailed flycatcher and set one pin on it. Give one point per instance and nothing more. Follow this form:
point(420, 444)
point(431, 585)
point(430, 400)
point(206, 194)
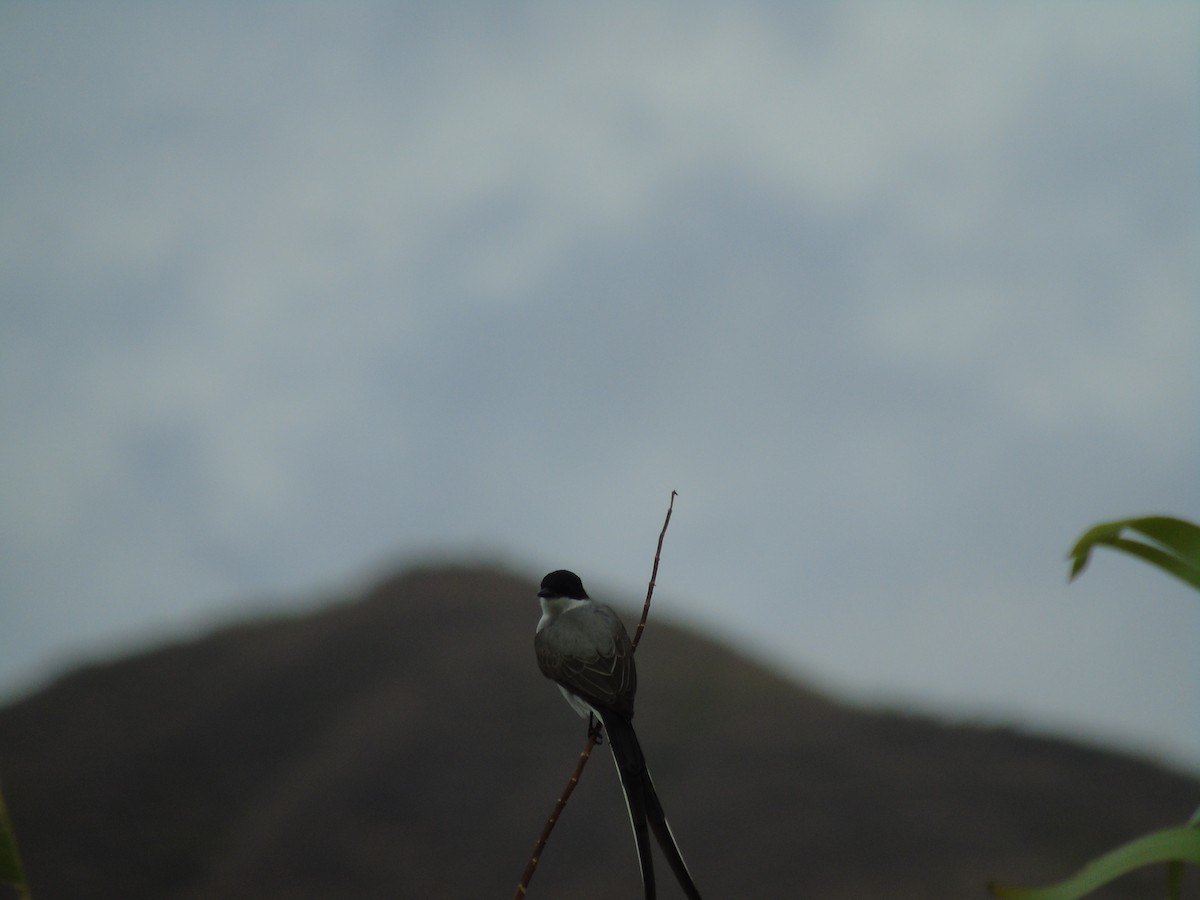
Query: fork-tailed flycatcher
point(583, 647)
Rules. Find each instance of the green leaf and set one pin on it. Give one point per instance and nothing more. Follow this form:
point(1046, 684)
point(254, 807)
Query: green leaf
point(1180, 844)
point(1174, 880)
point(1175, 548)
point(11, 871)
point(1175, 866)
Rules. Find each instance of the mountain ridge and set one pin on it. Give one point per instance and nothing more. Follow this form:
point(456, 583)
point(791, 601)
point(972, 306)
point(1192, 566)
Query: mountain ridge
point(403, 743)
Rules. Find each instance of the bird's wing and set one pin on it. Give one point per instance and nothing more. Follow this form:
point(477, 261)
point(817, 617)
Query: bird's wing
point(588, 651)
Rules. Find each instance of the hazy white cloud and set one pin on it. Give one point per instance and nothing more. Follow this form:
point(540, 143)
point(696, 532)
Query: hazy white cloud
point(899, 300)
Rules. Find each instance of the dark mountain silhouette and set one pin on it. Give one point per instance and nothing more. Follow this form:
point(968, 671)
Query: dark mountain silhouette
point(405, 745)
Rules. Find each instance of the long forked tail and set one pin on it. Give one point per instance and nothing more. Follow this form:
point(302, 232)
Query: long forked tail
point(666, 840)
point(644, 806)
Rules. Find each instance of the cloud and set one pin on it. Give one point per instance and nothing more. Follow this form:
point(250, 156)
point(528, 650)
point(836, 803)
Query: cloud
point(899, 302)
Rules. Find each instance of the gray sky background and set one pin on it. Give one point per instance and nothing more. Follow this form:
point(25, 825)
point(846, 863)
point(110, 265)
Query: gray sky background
point(899, 297)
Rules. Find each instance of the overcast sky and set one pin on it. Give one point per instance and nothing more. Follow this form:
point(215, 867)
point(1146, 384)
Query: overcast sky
point(900, 298)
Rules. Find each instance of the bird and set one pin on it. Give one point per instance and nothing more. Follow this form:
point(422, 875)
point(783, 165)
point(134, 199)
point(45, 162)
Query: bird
point(584, 648)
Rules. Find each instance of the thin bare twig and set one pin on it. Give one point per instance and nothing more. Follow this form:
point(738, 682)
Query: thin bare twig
point(637, 635)
point(561, 803)
point(585, 755)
